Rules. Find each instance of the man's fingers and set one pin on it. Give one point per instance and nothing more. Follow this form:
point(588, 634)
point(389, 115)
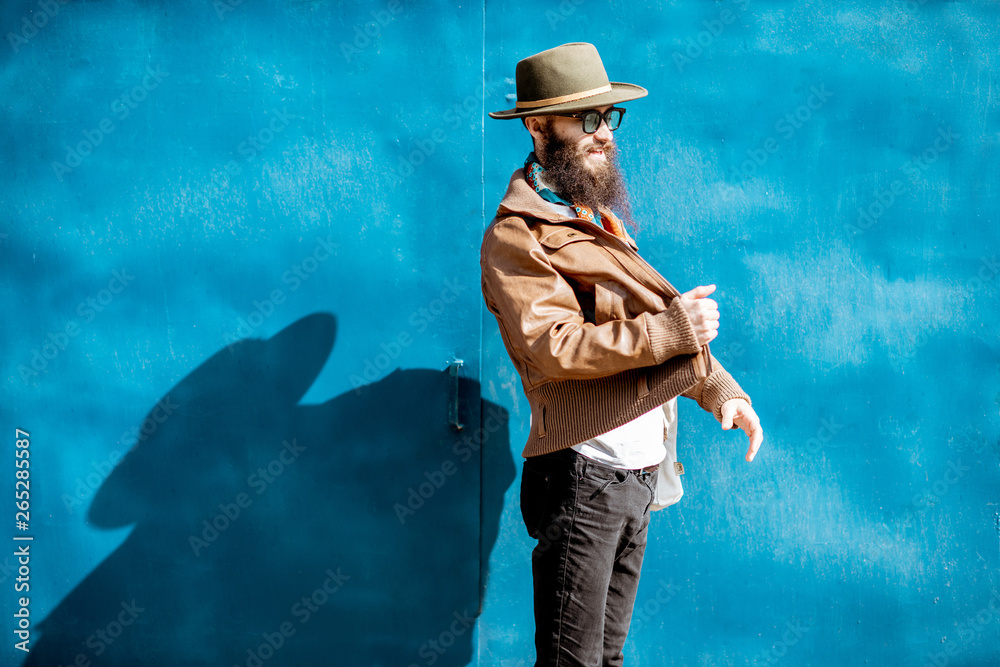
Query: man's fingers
point(705, 321)
point(727, 419)
point(699, 292)
point(703, 313)
point(739, 413)
point(703, 310)
point(754, 431)
point(756, 438)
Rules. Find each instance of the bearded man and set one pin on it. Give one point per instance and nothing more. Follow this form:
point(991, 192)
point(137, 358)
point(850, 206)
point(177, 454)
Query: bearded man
point(603, 345)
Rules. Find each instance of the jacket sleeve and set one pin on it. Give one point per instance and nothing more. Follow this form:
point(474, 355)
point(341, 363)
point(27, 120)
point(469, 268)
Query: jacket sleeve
point(540, 314)
point(715, 389)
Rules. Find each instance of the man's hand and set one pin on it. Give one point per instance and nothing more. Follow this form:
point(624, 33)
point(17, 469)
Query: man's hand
point(703, 312)
point(737, 411)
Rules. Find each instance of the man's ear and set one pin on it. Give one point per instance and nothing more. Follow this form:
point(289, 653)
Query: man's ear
point(536, 126)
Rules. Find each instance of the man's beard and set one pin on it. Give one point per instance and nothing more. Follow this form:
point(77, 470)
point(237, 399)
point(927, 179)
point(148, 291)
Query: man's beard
point(566, 171)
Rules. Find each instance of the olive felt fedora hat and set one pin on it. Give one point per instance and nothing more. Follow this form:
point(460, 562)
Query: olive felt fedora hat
point(566, 79)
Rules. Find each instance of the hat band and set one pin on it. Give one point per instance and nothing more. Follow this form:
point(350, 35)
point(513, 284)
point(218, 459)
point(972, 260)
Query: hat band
point(572, 97)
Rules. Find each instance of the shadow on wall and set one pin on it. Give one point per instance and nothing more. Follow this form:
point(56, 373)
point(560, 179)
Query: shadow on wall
point(268, 532)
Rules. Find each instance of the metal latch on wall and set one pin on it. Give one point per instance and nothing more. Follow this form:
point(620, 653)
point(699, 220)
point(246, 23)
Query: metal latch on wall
point(453, 417)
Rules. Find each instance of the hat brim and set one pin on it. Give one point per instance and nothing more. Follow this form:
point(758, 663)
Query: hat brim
point(620, 92)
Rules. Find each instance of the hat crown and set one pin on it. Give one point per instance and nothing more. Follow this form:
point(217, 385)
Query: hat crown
point(566, 79)
point(560, 71)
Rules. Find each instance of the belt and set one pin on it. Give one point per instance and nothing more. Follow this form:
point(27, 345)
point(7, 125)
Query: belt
point(648, 470)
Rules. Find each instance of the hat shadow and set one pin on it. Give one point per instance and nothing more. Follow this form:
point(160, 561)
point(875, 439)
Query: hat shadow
point(269, 532)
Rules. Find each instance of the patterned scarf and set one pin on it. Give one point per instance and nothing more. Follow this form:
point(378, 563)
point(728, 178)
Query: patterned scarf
point(533, 170)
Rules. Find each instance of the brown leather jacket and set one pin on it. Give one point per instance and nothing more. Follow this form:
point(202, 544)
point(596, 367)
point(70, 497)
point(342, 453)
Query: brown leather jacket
point(596, 334)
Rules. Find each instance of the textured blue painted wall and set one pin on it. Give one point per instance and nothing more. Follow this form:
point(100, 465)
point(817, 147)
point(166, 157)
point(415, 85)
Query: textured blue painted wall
point(192, 192)
point(240, 224)
point(867, 530)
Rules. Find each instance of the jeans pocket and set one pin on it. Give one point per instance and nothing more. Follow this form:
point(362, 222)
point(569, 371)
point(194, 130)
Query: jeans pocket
point(595, 479)
point(534, 498)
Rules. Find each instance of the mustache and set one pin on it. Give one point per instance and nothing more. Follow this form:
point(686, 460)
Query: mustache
point(608, 146)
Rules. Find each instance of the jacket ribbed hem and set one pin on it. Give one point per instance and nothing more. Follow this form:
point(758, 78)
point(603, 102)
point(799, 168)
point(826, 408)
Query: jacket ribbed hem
point(567, 412)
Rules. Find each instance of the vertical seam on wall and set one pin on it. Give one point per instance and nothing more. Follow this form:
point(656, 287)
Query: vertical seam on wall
point(483, 559)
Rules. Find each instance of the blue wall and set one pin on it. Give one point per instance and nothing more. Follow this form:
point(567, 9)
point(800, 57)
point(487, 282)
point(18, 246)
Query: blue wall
point(240, 235)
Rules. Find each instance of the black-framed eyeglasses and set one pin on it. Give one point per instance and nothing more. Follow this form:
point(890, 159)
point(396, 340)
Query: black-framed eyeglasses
point(592, 118)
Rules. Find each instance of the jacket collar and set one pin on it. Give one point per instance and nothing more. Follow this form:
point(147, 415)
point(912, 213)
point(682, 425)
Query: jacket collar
point(522, 200)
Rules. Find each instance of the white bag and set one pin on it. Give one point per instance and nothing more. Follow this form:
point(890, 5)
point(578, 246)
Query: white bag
point(668, 482)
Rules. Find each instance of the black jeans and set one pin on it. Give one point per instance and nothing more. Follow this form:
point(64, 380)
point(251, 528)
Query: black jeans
point(591, 523)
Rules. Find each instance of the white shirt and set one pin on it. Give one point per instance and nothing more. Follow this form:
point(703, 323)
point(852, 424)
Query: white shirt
point(636, 444)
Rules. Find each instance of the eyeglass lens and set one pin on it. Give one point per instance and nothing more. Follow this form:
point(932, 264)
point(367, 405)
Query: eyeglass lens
point(592, 120)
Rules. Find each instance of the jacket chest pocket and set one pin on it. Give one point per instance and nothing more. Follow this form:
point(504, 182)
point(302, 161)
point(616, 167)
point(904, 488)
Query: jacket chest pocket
point(560, 238)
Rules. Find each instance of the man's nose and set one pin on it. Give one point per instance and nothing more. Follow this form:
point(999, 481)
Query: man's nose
point(603, 131)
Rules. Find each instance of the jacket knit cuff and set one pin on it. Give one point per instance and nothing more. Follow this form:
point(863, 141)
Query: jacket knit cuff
point(671, 333)
point(719, 388)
